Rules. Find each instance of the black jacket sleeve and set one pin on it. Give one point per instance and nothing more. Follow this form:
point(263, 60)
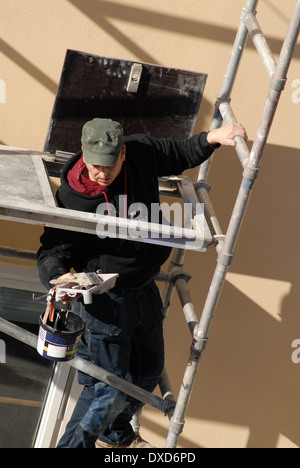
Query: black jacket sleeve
point(172, 157)
point(55, 257)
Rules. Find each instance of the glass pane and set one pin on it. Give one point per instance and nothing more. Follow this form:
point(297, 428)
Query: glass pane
point(24, 374)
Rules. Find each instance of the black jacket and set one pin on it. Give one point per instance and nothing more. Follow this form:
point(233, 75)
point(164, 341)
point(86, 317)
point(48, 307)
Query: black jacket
point(147, 158)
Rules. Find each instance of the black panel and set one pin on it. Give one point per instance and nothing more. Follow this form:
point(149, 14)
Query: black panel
point(165, 105)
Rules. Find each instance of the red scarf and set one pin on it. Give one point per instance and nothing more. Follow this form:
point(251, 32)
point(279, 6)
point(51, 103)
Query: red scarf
point(82, 184)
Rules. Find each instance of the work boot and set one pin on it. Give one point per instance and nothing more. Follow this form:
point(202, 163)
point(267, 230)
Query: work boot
point(137, 442)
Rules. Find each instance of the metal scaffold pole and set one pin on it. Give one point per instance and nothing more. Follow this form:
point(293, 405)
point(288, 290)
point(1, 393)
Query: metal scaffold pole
point(229, 79)
point(86, 367)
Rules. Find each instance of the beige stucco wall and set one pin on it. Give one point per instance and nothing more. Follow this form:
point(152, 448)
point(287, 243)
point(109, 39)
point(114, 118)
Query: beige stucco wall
point(247, 388)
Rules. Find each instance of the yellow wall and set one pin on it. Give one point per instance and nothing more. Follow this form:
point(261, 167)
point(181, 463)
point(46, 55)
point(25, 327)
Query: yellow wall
point(247, 388)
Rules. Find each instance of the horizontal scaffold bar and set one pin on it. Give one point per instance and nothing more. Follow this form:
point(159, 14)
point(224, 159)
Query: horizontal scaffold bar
point(105, 226)
point(86, 367)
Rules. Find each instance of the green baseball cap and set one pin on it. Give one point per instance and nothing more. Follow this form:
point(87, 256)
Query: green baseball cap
point(102, 141)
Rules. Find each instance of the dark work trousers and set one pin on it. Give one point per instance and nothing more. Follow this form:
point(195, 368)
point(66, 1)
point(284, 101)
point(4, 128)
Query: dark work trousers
point(124, 336)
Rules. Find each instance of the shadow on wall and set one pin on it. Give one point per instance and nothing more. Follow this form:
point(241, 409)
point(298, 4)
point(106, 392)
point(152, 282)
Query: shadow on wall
point(246, 375)
point(101, 12)
point(27, 66)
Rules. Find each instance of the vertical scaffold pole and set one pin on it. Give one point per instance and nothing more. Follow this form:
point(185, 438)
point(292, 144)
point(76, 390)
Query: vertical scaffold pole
point(229, 79)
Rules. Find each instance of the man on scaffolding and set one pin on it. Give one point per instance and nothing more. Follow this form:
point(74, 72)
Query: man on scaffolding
point(124, 332)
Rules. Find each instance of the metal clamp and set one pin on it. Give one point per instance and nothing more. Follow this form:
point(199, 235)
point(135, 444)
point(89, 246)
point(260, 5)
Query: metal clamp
point(225, 259)
point(180, 274)
point(278, 84)
point(250, 172)
point(135, 78)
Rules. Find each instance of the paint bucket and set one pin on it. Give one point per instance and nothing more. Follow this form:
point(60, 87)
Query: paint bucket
point(59, 340)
